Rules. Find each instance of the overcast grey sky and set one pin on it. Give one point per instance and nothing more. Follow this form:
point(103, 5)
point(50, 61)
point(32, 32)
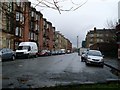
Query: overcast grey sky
point(95, 13)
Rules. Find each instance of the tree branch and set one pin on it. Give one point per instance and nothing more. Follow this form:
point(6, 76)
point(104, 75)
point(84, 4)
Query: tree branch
point(55, 4)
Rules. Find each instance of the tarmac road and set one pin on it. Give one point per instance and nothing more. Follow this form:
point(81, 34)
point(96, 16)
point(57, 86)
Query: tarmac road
point(51, 71)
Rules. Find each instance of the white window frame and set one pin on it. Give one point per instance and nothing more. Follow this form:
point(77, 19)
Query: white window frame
point(8, 43)
point(98, 35)
point(29, 35)
point(32, 36)
point(1, 41)
point(36, 17)
point(36, 37)
point(18, 2)
point(20, 32)
point(44, 22)
point(118, 53)
point(17, 16)
point(101, 40)
point(91, 35)
point(21, 4)
point(32, 14)
point(21, 17)
point(47, 26)
point(17, 31)
point(36, 27)
point(98, 40)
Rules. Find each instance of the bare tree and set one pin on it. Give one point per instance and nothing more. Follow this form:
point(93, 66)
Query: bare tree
point(111, 24)
point(58, 4)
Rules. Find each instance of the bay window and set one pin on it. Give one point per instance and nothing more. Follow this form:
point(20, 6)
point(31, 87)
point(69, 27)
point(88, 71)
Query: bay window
point(18, 31)
point(19, 17)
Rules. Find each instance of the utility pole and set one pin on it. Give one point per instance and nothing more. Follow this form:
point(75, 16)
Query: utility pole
point(78, 45)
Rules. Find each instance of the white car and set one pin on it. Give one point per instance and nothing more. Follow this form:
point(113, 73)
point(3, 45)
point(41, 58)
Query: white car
point(94, 57)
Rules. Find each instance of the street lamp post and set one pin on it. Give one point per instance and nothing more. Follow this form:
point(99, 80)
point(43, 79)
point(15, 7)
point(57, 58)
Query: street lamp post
point(78, 45)
point(77, 42)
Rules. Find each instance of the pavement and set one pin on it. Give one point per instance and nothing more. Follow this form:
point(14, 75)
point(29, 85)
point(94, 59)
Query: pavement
point(114, 62)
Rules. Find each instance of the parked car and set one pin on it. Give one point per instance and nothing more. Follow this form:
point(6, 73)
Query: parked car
point(62, 51)
point(53, 53)
point(27, 49)
point(49, 53)
point(57, 52)
point(94, 57)
point(7, 54)
point(44, 53)
point(83, 56)
point(68, 52)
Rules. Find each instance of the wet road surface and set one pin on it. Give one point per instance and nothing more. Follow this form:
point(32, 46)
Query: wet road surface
point(51, 71)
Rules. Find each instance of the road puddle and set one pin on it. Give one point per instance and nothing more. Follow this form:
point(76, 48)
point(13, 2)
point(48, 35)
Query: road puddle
point(24, 79)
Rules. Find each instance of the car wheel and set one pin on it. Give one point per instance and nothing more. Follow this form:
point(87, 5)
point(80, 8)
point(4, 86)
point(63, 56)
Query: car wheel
point(86, 63)
point(102, 66)
point(81, 59)
point(36, 56)
point(28, 56)
point(13, 57)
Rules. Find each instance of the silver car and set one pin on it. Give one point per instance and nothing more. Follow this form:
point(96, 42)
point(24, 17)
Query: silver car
point(94, 57)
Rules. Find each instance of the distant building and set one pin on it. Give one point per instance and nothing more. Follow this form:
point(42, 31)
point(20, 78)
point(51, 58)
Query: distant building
point(69, 45)
point(61, 42)
point(103, 40)
point(83, 44)
point(99, 35)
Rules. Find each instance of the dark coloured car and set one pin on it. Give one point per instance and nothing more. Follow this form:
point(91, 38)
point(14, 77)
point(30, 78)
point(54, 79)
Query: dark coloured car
point(44, 53)
point(83, 56)
point(53, 53)
point(7, 54)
